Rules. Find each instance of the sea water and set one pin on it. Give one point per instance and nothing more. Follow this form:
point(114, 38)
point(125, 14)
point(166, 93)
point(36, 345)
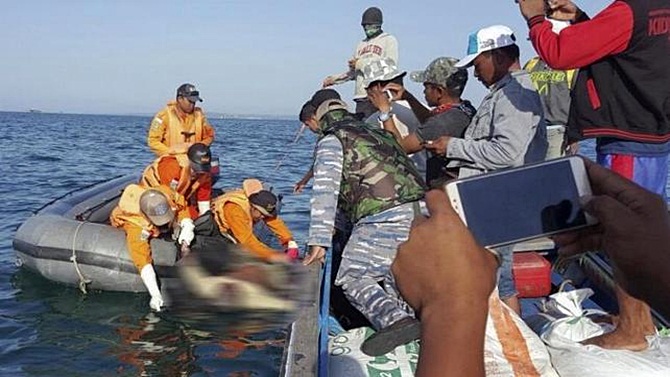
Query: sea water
point(48, 329)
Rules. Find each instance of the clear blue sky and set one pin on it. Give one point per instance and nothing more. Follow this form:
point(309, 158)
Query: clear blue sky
point(260, 57)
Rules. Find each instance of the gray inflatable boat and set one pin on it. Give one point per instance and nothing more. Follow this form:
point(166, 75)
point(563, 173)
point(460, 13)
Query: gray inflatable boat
point(71, 241)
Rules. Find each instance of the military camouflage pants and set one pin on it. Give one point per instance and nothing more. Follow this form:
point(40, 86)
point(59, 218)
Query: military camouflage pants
point(365, 275)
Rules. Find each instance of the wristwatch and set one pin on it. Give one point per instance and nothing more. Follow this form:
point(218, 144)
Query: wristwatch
point(383, 117)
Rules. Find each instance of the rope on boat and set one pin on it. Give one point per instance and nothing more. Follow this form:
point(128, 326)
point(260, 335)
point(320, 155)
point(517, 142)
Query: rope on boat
point(324, 313)
point(83, 281)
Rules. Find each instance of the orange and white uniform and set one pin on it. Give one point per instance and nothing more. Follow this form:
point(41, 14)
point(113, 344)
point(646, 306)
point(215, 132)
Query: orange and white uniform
point(139, 230)
point(232, 212)
point(171, 128)
point(173, 170)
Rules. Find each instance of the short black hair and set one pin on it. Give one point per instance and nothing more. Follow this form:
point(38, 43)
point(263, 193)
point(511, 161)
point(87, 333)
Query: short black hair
point(511, 51)
point(307, 111)
point(396, 80)
point(322, 96)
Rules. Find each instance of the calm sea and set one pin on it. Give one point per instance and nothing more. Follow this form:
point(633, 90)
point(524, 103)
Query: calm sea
point(47, 329)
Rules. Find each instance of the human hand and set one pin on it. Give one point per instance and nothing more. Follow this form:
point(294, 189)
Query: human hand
point(634, 230)
point(186, 232)
point(299, 186)
point(441, 263)
point(156, 303)
point(397, 90)
point(532, 8)
point(572, 148)
point(379, 99)
point(562, 10)
point(292, 250)
point(316, 253)
point(352, 63)
point(438, 146)
point(328, 81)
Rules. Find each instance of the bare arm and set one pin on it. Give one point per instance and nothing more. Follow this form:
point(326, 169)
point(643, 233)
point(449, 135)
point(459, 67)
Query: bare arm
point(449, 287)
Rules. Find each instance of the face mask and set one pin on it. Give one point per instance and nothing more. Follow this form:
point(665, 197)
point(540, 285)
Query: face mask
point(372, 30)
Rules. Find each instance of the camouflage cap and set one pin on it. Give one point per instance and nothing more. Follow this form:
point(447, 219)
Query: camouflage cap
point(380, 70)
point(330, 105)
point(440, 72)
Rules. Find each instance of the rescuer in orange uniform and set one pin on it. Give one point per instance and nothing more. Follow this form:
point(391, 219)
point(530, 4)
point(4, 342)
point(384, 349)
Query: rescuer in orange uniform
point(180, 123)
point(186, 173)
point(236, 212)
point(145, 213)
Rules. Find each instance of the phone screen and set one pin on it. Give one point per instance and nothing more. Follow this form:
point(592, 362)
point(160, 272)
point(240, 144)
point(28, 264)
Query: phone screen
point(522, 204)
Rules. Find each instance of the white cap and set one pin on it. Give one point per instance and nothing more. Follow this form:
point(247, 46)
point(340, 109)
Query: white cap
point(486, 39)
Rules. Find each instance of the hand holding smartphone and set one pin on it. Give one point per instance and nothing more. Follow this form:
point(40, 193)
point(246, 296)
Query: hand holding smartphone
point(524, 203)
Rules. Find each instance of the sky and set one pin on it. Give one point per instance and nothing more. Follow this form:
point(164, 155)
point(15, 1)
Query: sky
point(246, 57)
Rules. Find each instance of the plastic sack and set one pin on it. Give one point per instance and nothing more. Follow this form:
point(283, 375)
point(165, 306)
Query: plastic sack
point(568, 321)
point(511, 349)
point(573, 359)
point(570, 324)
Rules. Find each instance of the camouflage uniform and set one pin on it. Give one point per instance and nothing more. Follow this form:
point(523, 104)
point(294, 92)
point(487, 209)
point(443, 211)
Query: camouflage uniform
point(381, 218)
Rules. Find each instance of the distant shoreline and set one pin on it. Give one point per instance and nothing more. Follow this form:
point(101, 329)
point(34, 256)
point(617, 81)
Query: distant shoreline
point(211, 116)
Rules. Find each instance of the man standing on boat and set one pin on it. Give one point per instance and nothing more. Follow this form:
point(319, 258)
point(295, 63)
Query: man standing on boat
point(377, 44)
point(508, 130)
point(146, 213)
point(621, 98)
point(362, 171)
point(180, 123)
point(554, 86)
point(187, 172)
point(376, 75)
point(443, 85)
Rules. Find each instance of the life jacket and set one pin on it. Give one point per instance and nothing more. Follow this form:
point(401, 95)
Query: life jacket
point(184, 186)
point(237, 197)
point(128, 209)
point(186, 131)
point(376, 174)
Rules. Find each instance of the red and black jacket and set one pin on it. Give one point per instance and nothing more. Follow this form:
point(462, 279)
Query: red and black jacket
point(623, 86)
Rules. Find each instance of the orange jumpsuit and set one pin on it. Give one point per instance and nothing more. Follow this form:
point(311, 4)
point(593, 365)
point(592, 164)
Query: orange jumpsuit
point(168, 171)
point(170, 128)
point(139, 230)
point(232, 214)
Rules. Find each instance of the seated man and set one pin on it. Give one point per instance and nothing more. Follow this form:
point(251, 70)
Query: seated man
point(145, 213)
point(186, 173)
point(180, 123)
point(236, 212)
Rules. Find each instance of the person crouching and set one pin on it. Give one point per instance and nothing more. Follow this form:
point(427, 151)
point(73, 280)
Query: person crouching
point(236, 212)
point(361, 170)
point(146, 213)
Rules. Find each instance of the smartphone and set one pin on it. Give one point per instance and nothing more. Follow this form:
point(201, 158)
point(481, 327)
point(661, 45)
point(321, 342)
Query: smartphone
point(389, 94)
point(520, 204)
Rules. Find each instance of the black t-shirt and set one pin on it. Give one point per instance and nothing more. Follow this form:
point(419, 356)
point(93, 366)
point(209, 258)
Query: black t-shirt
point(452, 122)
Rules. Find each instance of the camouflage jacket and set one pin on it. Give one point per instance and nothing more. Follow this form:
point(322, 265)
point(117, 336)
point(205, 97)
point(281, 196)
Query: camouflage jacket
point(363, 167)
